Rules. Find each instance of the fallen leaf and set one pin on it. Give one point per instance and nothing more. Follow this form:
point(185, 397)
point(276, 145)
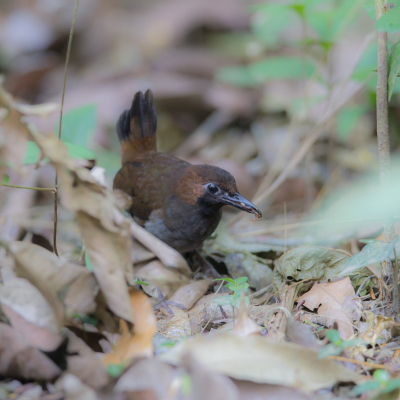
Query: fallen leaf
point(262, 360)
point(106, 232)
point(206, 311)
point(189, 294)
point(244, 325)
point(140, 343)
point(148, 374)
point(301, 334)
point(327, 296)
point(257, 391)
point(207, 384)
point(308, 262)
point(84, 363)
point(375, 326)
point(18, 359)
point(168, 280)
point(246, 264)
point(332, 301)
point(74, 388)
point(68, 288)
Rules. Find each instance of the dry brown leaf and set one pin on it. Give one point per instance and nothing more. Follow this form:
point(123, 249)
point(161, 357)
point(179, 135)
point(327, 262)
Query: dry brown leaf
point(332, 300)
point(13, 131)
point(84, 363)
point(106, 232)
point(244, 325)
point(168, 280)
point(140, 343)
point(206, 311)
point(206, 384)
point(375, 326)
point(257, 391)
point(56, 278)
point(148, 374)
point(18, 359)
point(344, 325)
point(262, 360)
point(189, 294)
point(30, 314)
point(177, 326)
point(74, 388)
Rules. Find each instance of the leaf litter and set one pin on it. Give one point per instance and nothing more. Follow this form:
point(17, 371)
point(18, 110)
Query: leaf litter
point(87, 334)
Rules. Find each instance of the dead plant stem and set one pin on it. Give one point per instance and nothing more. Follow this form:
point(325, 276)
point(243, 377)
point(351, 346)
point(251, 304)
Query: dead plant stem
point(71, 34)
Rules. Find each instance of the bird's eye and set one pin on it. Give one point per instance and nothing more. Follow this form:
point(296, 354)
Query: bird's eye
point(212, 188)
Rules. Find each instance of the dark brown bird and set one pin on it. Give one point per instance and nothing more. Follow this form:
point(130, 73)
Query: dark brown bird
point(178, 202)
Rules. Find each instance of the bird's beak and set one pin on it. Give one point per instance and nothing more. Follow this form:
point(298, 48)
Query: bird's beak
point(241, 203)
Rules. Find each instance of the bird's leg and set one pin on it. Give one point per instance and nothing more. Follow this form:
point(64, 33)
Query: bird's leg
point(207, 266)
point(166, 303)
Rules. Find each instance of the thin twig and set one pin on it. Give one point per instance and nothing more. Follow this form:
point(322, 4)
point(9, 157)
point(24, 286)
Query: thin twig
point(396, 283)
point(363, 363)
point(71, 33)
point(29, 187)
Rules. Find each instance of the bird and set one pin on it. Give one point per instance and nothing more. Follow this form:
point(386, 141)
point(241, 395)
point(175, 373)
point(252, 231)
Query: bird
point(177, 202)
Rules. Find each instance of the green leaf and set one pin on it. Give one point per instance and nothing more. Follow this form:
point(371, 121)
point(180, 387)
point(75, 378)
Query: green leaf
point(394, 66)
point(241, 280)
point(5, 179)
point(329, 350)
point(141, 282)
point(115, 370)
point(333, 336)
point(347, 119)
point(370, 254)
point(389, 22)
point(308, 262)
point(32, 154)
point(79, 152)
point(262, 71)
point(382, 376)
point(367, 64)
point(88, 262)
point(369, 7)
point(224, 279)
point(79, 124)
point(392, 385)
point(366, 387)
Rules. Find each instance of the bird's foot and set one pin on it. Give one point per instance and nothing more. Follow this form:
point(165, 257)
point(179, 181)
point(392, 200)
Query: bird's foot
point(208, 267)
point(166, 303)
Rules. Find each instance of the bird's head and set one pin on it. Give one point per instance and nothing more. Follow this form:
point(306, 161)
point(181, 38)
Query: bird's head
point(210, 188)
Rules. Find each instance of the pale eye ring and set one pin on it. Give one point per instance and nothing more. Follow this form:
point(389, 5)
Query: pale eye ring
point(212, 188)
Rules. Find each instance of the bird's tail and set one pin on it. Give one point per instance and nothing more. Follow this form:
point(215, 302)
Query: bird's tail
point(136, 128)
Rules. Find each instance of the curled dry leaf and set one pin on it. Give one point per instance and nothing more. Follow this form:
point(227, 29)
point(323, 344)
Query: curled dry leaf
point(375, 326)
point(30, 314)
point(308, 262)
point(262, 360)
point(189, 294)
point(140, 343)
point(106, 232)
point(206, 384)
point(168, 280)
point(18, 359)
point(67, 287)
point(74, 388)
point(246, 264)
point(84, 363)
point(245, 326)
point(148, 374)
point(168, 256)
point(332, 301)
point(206, 311)
point(13, 131)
